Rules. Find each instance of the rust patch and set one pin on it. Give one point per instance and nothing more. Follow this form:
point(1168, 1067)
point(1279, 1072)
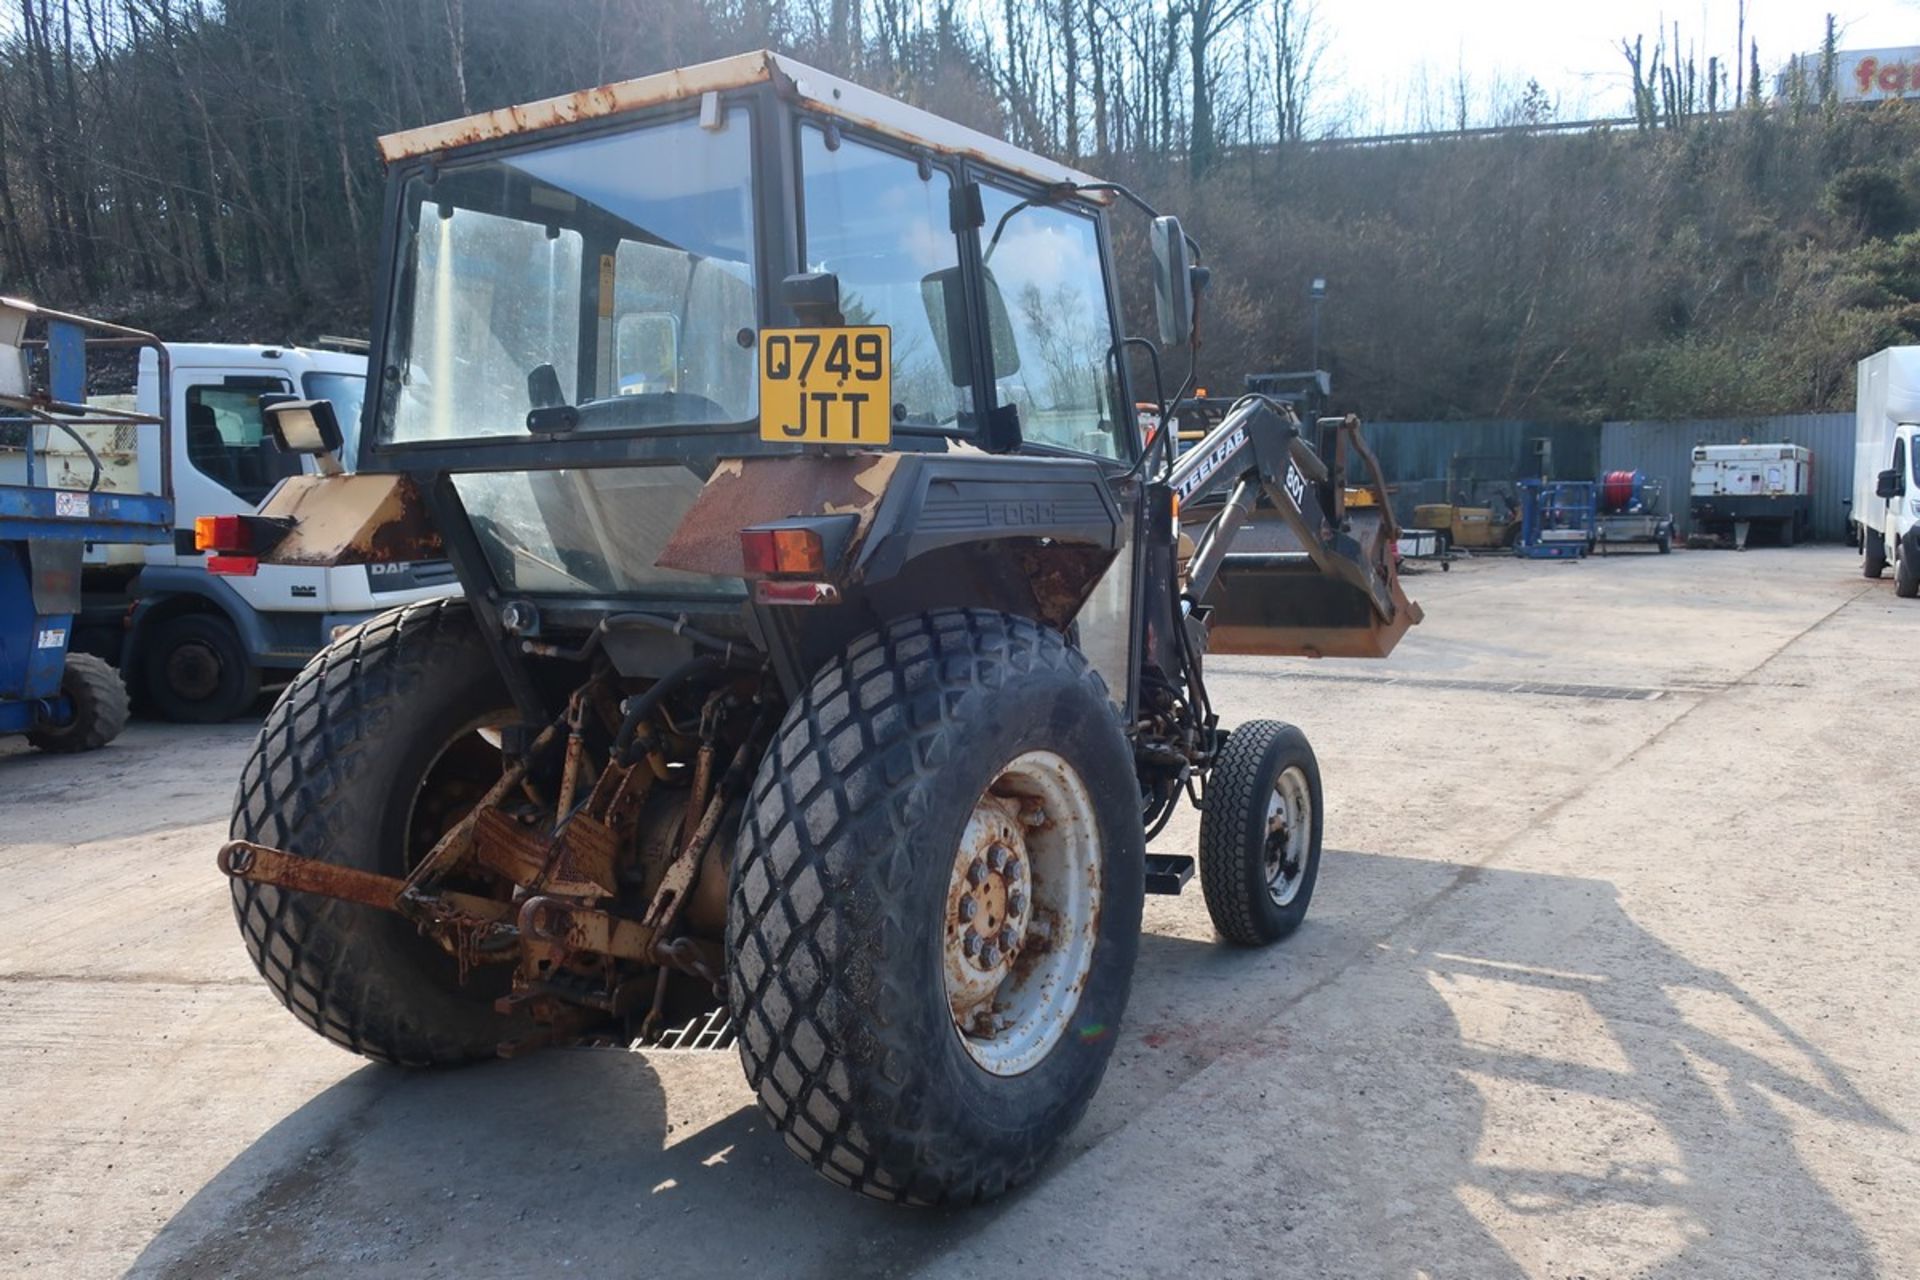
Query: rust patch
point(586, 104)
point(749, 491)
point(352, 519)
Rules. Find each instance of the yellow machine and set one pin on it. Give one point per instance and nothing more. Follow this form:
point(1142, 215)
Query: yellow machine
point(1467, 522)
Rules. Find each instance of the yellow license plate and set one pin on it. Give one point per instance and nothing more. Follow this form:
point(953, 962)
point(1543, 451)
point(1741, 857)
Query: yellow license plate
point(827, 386)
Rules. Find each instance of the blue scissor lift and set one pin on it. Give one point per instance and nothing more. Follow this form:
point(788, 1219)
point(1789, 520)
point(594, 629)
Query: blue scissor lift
point(61, 701)
point(1556, 519)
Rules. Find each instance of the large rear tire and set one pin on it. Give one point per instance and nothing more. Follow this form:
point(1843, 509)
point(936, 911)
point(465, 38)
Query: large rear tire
point(1260, 833)
point(368, 756)
point(99, 707)
point(926, 783)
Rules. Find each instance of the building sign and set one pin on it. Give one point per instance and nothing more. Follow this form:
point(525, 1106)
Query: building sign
point(1868, 75)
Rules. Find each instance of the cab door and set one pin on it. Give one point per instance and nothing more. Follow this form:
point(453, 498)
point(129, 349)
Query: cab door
point(224, 463)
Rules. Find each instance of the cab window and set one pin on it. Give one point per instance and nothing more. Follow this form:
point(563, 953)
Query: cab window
point(881, 227)
point(226, 436)
point(1058, 374)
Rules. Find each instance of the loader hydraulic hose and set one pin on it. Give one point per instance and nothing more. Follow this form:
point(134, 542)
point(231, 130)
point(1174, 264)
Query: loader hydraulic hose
point(642, 705)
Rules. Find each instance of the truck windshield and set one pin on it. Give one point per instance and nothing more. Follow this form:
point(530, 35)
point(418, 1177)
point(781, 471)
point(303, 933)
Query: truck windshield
point(611, 273)
point(348, 391)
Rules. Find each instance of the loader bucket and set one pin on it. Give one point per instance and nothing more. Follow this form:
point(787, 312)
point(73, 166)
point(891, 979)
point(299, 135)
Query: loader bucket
point(1273, 600)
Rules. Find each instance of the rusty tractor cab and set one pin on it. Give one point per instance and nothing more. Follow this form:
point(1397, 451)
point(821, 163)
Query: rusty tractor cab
point(825, 655)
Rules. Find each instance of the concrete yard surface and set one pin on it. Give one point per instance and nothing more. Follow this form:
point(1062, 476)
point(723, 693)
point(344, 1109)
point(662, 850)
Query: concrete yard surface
point(1612, 970)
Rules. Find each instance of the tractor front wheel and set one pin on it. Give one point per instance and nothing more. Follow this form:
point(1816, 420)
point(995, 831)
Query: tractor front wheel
point(1260, 833)
point(935, 907)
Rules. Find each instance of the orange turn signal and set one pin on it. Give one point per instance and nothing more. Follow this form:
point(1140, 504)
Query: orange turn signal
point(782, 551)
point(221, 534)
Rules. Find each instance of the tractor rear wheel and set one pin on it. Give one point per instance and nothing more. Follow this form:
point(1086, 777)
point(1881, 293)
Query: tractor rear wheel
point(1260, 833)
point(935, 907)
point(99, 707)
point(369, 756)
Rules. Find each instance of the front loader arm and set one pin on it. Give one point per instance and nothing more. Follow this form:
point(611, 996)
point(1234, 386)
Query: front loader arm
point(1258, 449)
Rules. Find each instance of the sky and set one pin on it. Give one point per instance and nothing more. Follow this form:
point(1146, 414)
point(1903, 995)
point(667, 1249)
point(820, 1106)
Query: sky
point(1380, 53)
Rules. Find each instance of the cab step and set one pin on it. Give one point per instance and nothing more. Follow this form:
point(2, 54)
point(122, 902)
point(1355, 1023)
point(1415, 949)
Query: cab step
point(1168, 872)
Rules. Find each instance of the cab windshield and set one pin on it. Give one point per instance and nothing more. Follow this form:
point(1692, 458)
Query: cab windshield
point(613, 274)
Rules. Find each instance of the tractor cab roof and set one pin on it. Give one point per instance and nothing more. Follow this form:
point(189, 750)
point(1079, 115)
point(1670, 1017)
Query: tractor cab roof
point(815, 90)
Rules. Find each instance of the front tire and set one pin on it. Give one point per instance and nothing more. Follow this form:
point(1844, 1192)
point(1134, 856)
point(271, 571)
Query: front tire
point(1906, 568)
point(368, 756)
point(197, 671)
point(861, 934)
point(1260, 833)
point(99, 707)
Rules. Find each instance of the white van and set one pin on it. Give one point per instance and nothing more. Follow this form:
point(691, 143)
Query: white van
point(1886, 466)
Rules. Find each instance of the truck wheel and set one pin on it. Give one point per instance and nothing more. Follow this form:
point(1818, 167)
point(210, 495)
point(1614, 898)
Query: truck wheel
point(197, 671)
point(1665, 542)
point(1260, 833)
point(1787, 530)
point(1906, 568)
point(99, 707)
point(1875, 543)
point(366, 759)
point(935, 907)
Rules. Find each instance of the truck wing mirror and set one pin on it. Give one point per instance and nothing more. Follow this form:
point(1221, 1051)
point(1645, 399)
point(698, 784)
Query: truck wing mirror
point(1888, 485)
point(305, 426)
point(1172, 281)
point(947, 313)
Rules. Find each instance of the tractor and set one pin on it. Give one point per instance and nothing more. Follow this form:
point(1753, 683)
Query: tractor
point(829, 651)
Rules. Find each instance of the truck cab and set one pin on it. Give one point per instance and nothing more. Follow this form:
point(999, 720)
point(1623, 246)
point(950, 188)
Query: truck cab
point(196, 646)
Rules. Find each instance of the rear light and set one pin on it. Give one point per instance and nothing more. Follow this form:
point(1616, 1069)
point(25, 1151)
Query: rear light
point(795, 593)
point(233, 566)
point(222, 534)
point(782, 551)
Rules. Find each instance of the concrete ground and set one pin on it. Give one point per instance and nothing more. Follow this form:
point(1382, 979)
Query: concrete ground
point(1612, 971)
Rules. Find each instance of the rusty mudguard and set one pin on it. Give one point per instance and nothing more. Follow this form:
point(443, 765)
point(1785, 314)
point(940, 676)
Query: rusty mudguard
point(363, 518)
point(1030, 535)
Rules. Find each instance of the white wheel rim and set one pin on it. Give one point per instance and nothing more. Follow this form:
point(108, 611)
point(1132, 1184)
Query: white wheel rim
point(1022, 912)
point(1289, 834)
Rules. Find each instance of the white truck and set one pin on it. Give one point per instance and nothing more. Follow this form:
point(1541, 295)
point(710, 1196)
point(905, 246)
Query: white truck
point(1734, 487)
point(1886, 466)
point(192, 645)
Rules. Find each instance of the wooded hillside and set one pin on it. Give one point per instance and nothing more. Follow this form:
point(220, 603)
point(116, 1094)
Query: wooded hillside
point(209, 170)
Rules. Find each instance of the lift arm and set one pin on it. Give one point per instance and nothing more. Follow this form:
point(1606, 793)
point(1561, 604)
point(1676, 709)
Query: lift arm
point(1258, 449)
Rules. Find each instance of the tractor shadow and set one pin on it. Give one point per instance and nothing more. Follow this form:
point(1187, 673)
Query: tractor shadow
point(603, 1162)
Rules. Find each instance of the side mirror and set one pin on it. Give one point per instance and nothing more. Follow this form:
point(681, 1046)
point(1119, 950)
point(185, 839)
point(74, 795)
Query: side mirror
point(304, 426)
point(1888, 485)
point(814, 297)
point(947, 314)
point(1172, 281)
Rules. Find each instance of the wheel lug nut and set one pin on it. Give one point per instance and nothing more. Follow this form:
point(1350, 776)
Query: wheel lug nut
point(1033, 815)
point(991, 956)
point(1008, 937)
point(977, 873)
point(997, 857)
point(1012, 870)
point(1016, 901)
point(972, 945)
point(969, 908)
